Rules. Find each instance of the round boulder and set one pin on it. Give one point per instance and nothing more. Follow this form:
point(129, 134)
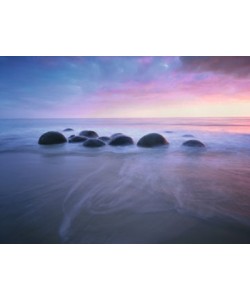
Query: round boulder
point(104, 138)
point(193, 143)
point(77, 139)
point(51, 138)
point(68, 129)
point(121, 140)
point(89, 133)
point(115, 135)
point(93, 143)
point(152, 140)
point(188, 135)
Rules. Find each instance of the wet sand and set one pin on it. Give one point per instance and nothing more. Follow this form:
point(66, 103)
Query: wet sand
point(151, 197)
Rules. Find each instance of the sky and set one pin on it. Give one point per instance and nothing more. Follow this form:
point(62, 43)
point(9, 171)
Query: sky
point(129, 87)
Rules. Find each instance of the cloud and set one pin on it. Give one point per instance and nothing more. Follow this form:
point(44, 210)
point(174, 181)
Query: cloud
point(94, 84)
point(230, 65)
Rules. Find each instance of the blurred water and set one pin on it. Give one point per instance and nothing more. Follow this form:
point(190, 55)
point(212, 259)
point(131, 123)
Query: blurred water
point(220, 134)
point(70, 194)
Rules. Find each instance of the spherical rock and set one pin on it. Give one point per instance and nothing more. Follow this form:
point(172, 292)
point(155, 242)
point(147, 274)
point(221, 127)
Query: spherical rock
point(93, 143)
point(188, 135)
point(77, 139)
point(104, 138)
point(193, 143)
point(89, 133)
point(121, 140)
point(116, 134)
point(52, 137)
point(152, 140)
point(68, 129)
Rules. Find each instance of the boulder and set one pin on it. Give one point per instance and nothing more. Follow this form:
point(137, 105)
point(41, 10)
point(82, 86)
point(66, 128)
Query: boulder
point(188, 135)
point(93, 143)
point(68, 129)
point(89, 133)
point(104, 138)
point(72, 135)
point(77, 139)
point(51, 138)
point(168, 131)
point(152, 140)
point(193, 143)
point(115, 135)
point(121, 140)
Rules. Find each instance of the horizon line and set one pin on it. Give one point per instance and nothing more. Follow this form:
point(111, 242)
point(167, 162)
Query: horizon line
point(44, 118)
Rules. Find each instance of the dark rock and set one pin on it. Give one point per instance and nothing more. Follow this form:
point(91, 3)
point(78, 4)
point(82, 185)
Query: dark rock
point(115, 135)
point(168, 131)
point(77, 139)
point(152, 140)
point(93, 143)
point(121, 140)
point(71, 136)
point(104, 138)
point(52, 137)
point(89, 133)
point(188, 135)
point(193, 143)
point(68, 129)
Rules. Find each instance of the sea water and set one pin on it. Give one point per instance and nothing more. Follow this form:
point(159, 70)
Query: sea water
point(71, 194)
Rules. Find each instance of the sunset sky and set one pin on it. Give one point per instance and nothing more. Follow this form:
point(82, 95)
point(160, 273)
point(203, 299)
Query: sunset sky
point(54, 87)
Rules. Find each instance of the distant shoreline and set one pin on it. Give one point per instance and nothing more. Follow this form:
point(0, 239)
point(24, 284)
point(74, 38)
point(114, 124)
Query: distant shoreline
point(125, 118)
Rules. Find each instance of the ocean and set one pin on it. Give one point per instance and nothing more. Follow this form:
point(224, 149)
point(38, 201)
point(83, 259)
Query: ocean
point(71, 194)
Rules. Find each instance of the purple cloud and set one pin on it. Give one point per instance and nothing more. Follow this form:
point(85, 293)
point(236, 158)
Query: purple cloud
point(230, 65)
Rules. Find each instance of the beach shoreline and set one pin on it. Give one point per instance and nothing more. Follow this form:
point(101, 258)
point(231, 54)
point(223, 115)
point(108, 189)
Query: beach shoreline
point(110, 198)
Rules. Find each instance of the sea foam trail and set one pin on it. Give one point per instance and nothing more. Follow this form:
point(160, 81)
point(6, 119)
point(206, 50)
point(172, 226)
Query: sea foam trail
point(72, 203)
point(121, 182)
point(142, 184)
